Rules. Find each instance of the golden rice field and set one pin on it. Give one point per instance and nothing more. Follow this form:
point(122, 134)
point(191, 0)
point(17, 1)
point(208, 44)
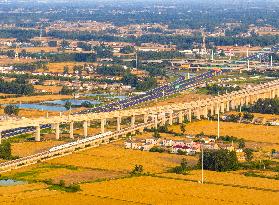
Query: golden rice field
point(113, 161)
point(139, 190)
point(235, 178)
point(28, 148)
point(257, 133)
point(115, 158)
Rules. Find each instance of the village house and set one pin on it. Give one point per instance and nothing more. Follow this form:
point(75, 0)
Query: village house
point(51, 82)
point(153, 141)
point(167, 143)
point(132, 144)
point(33, 81)
point(188, 150)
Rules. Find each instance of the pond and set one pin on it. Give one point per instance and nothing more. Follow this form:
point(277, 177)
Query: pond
point(41, 107)
point(74, 102)
point(55, 105)
point(10, 182)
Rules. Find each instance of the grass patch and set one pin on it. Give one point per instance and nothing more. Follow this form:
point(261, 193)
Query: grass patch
point(60, 166)
point(20, 138)
point(71, 188)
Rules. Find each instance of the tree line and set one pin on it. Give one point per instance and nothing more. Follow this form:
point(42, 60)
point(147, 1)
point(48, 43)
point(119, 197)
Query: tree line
point(16, 88)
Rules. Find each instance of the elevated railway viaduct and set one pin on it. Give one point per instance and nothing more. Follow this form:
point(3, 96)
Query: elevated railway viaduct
point(211, 105)
point(152, 117)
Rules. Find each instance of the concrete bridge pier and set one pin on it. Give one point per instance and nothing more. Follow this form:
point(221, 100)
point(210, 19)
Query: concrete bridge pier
point(72, 130)
point(38, 133)
point(190, 115)
point(228, 106)
point(171, 118)
point(85, 128)
point(205, 112)
point(145, 118)
point(163, 117)
point(133, 120)
point(155, 121)
point(222, 107)
point(180, 117)
point(246, 100)
point(118, 124)
point(232, 105)
point(57, 131)
point(103, 123)
point(212, 110)
point(198, 113)
point(217, 108)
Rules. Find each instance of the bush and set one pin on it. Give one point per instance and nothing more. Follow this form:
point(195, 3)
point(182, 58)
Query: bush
point(182, 169)
point(156, 149)
point(11, 110)
point(138, 169)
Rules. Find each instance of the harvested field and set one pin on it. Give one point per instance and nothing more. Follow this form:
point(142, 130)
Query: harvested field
point(59, 67)
point(33, 99)
point(39, 49)
point(51, 89)
point(30, 113)
point(11, 61)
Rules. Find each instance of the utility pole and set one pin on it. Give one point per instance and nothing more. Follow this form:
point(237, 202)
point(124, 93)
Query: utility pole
point(218, 132)
point(202, 163)
point(136, 59)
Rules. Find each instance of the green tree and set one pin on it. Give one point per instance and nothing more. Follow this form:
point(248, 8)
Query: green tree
point(241, 143)
point(156, 134)
point(127, 49)
point(182, 169)
point(5, 150)
point(248, 154)
point(182, 128)
point(68, 105)
point(219, 160)
point(66, 91)
point(11, 110)
point(66, 70)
